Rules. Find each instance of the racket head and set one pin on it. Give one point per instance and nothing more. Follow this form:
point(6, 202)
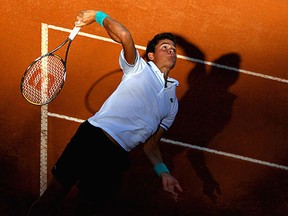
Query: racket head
point(43, 79)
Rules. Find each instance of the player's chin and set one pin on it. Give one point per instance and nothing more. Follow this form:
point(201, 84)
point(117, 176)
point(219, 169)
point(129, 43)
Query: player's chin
point(172, 62)
point(173, 65)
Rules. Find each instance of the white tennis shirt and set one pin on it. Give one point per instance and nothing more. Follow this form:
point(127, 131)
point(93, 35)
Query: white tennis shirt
point(139, 105)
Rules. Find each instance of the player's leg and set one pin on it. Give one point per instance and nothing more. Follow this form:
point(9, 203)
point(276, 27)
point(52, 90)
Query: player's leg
point(52, 196)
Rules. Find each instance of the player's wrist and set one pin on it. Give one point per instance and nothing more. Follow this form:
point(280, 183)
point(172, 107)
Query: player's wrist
point(100, 16)
point(160, 168)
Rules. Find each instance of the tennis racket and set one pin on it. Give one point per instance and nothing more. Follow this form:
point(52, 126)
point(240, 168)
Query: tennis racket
point(44, 78)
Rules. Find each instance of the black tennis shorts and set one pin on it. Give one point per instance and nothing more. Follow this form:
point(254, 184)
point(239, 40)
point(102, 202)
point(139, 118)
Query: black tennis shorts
point(92, 161)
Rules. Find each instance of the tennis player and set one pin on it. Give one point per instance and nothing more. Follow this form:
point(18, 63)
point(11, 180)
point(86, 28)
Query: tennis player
point(139, 111)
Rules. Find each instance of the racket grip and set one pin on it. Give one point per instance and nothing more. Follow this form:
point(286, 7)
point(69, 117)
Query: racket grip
point(74, 32)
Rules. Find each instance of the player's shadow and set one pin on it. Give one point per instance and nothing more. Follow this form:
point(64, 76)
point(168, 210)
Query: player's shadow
point(205, 109)
point(101, 89)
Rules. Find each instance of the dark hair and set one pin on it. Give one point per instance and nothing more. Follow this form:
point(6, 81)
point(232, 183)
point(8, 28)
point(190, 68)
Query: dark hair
point(152, 44)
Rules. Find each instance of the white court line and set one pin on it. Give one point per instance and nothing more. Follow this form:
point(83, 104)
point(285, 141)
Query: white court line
point(234, 69)
point(44, 121)
point(180, 56)
point(204, 149)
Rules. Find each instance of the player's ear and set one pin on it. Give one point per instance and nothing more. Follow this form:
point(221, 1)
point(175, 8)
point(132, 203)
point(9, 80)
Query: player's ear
point(151, 56)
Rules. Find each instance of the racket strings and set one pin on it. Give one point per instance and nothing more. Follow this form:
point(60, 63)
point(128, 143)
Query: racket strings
point(44, 80)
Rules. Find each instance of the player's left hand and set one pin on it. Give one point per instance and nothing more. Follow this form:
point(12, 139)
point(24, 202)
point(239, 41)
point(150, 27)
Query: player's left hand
point(170, 184)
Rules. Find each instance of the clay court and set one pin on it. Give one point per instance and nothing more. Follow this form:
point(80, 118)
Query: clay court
point(228, 145)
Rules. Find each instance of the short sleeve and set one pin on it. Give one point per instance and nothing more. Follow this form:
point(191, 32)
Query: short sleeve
point(131, 68)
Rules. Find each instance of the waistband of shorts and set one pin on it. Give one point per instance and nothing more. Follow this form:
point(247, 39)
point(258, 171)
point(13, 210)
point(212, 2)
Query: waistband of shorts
point(115, 143)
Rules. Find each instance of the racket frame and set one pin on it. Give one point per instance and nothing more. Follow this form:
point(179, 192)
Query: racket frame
point(64, 62)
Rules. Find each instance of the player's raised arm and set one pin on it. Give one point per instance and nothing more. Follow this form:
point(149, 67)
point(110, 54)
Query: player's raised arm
point(115, 30)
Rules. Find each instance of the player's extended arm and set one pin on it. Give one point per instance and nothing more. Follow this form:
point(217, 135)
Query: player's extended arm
point(115, 30)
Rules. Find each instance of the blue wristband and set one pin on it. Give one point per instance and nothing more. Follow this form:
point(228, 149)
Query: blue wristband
point(100, 16)
point(160, 168)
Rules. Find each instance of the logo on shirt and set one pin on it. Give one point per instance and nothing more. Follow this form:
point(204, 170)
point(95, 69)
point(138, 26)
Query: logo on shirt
point(171, 100)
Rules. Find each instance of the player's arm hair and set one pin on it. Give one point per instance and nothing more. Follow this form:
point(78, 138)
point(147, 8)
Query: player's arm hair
point(152, 149)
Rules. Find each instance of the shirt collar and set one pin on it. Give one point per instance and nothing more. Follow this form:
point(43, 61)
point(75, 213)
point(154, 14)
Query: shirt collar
point(160, 75)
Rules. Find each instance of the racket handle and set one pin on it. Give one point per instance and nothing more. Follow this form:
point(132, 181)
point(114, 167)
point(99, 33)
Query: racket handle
point(74, 32)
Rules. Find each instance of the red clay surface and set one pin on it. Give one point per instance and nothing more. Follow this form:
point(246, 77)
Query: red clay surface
point(224, 110)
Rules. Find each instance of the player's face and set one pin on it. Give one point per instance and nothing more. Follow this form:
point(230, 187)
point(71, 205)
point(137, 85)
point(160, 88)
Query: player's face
point(165, 54)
